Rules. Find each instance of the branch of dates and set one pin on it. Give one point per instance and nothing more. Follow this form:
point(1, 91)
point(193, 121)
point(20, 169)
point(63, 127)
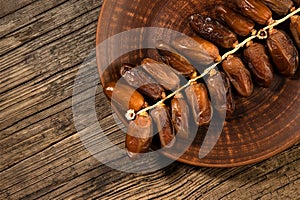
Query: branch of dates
point(261, 34)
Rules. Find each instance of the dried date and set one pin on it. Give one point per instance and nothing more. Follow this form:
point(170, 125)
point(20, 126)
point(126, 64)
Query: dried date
point(220, 92)
point(283, 52)
point(238, 23)
point(124, 96)
point(162, 72)
point(258, 61)
point(238, 75)
point(198, 50)
point(280, 7)
point(255, 9)
point(139, 135)
point(295, 29)
point(213, 31)
point(138, 78)
point(230, 105)
point(198, 99)
point(164, 125)
point(180, 115)
point(179, 63)
point(296, 2)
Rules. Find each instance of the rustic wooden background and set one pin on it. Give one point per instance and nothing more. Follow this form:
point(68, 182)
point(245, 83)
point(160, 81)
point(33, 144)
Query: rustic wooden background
point(42, 46)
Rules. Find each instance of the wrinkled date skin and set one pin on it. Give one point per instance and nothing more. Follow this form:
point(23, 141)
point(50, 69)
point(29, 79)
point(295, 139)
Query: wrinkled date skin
point(213, 31)
point(138, 78)
point(230, 105)
point(254, 9)
point(163, 73)
point(238, 75)
point(295, 29)
point(164, 125)
point(259, 64)
point(296, 2)
point(180, 115)
point(139, 135)
point(238, 23)
point(220, 92)
point(280, 7)
point(201, 108)
point(124, 96)
point(283, 52)
point(198, 50)
point(179, 63)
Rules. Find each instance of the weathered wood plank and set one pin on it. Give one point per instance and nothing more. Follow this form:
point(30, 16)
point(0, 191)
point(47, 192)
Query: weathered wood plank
point(35, 168)
point(7, 8)
point(30, 58)
point(56, 126)
point(24, 16)
point(206, 183)
point(48, 21)
point(36, 71)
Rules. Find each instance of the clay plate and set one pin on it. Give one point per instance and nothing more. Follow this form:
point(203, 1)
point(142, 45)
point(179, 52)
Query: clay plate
point(262, 126)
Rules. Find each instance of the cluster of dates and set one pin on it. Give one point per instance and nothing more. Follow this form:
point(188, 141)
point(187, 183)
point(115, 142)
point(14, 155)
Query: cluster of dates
point(220, 30)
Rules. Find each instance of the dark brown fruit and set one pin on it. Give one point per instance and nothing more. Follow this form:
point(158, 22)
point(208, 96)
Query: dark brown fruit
point(162, 72)
point(259, 64)
point(295, 29)
point(296, 2)
point(238, 23)
point(201, 108)
point(230, 105)
point(164, 125)
point(124, 96)
point(283, 52)
point(280, 7)
point(180, 115)
point(213, 31)
point(138, 78)
point(198, 50)
point(254, 9)
point(139, 135)
point(238, 75)
point(171, 57)
point(219, 89)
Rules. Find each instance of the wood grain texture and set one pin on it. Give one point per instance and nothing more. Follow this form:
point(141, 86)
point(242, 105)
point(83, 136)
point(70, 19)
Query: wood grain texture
point(43, 45)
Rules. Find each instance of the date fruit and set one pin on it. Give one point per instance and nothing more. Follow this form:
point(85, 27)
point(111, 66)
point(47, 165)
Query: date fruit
point(164, 125)
point(238, 23)
point(213, 31)
point(295, 29)
point(280, 7)
point(138, 78)
point(230, 105)
point(170, 56)
point(238, 75)
point(296, 2)
point(254, 9)
point(180, 115)
point(201, 108)
point(283, 52)
point(220, 92)
point(139, 135)
point(198, 50)
point(124, 96)
point(258, 61)
point(162, 72)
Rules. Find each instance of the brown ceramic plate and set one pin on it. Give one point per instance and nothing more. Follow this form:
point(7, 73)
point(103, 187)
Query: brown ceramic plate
point(263, 125)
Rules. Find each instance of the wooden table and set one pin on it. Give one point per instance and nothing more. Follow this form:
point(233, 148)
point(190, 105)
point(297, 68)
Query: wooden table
point(43, 44)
